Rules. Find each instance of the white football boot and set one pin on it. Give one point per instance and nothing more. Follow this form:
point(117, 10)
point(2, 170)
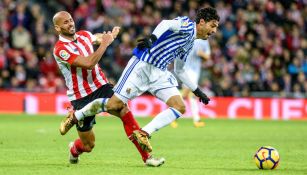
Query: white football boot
point(154, 162)
point(71, 158)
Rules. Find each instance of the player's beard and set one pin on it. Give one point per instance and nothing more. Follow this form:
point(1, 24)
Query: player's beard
point(203, 37)
point(202, 34)
point(68, 33)
point(206, 36)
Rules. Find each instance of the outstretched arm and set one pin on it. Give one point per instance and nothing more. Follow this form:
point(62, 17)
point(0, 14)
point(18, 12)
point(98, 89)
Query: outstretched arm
point(98, 36)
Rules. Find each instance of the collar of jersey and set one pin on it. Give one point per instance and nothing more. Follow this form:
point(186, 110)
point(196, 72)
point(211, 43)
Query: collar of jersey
point(66, 40)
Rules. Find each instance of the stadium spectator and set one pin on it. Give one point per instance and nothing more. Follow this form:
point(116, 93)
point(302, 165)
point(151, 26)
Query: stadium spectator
point(21, 38)
point(124, 50)
point(21, 16)
point(3, 58)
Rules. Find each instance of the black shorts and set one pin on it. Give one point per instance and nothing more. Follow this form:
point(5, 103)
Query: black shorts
point(105, 91)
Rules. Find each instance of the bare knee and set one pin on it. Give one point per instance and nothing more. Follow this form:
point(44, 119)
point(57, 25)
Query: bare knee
point(177, 103)
point(89, 147)
point(180, 108)
point(115, 104)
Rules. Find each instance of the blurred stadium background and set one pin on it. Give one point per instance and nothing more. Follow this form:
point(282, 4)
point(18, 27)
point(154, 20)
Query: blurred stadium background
point(260, 50)
point(258, 70)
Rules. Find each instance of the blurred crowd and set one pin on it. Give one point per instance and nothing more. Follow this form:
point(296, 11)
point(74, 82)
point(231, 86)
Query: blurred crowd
point(260, 48)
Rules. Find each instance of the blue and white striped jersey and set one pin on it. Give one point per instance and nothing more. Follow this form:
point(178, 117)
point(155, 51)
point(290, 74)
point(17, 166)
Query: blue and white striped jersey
point(170, 45)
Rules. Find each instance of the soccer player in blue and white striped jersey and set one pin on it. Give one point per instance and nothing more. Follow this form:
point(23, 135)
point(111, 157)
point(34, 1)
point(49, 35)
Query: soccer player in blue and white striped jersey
point(171, 41)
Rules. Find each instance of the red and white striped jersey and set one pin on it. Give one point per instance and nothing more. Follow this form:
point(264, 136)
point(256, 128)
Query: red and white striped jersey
point(80, 82)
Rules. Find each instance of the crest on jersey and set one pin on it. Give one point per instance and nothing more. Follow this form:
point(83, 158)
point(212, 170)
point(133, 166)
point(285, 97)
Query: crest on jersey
point(128, 90)
point(185, 23)
point(64, 54)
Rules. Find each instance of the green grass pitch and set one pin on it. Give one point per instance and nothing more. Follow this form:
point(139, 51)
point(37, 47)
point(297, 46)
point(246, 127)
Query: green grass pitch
point(32, 145)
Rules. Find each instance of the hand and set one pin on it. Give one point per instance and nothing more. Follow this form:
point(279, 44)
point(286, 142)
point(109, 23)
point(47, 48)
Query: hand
point(202, 96)
point(115, 31)
point(107, 38)
point(146, 42)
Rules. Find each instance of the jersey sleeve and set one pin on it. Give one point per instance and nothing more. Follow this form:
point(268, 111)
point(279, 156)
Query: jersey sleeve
point(164, 25)
point(88, 34)
point(186, 25)
point(65, 54)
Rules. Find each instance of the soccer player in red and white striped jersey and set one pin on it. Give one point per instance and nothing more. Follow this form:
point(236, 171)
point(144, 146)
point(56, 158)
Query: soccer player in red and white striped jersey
point(79, 81)
point(88, 88)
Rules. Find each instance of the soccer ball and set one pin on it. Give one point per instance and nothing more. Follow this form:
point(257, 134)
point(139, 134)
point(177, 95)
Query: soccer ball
point(266, 158)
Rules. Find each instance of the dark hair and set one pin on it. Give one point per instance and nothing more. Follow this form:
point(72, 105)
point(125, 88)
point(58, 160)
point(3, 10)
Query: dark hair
point(207, 14)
